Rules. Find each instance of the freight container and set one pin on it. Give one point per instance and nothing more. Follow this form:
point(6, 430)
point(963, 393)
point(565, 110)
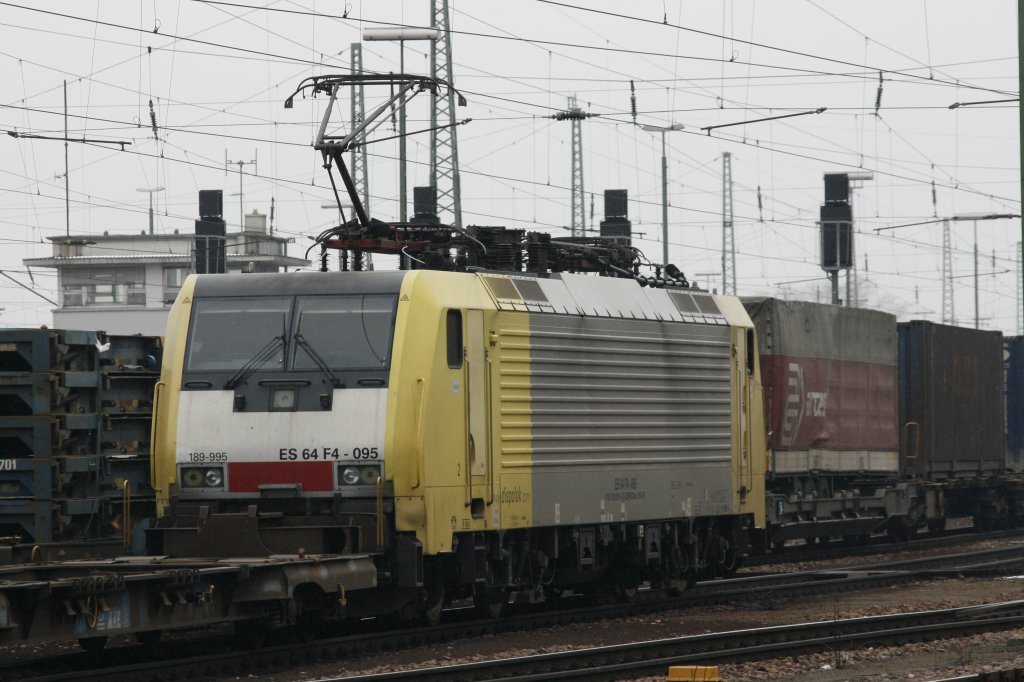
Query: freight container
point(830, 386)
point(1013, 359)
point(75, 412)
point(952, 410)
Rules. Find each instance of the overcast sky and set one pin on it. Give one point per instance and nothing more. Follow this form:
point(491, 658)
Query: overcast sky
point(218, 73)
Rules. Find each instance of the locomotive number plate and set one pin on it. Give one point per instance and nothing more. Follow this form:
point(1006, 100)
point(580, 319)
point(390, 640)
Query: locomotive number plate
point(326, 453)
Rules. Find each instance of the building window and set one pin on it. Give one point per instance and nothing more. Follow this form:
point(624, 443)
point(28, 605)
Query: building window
point(103, 287)
point(174, 277)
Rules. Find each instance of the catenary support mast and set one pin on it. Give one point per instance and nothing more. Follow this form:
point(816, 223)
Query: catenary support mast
point(728, 236)
point(444, 148)
point(360, 172)
point(948, 309)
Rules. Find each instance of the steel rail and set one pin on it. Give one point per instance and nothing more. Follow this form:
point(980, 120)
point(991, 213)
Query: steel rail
point(656, 656)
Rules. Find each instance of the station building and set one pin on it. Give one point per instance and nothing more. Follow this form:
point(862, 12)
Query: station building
point(125, 284)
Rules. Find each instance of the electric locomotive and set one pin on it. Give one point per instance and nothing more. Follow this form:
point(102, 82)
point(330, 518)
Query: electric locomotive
point(491, 423)
point(461, 433)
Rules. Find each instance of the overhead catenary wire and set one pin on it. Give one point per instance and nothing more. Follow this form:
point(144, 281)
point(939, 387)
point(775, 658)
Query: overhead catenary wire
point(189, 147)
point(621, 50)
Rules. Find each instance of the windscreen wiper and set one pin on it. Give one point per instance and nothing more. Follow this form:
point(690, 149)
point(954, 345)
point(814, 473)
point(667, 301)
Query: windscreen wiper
point(256, 361)
point(321, 365)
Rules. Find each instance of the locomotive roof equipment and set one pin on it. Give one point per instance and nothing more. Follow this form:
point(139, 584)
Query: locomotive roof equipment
point(447, 247)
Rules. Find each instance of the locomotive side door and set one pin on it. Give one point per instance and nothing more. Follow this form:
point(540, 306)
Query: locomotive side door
point(478, 403)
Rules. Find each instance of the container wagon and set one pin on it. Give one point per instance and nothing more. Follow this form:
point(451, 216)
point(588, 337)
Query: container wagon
point(952, 416)
point(830, 385)
point(75, 412)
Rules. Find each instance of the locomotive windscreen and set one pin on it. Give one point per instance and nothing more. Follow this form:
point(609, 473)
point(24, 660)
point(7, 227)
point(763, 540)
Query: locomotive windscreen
point(343, 332)
point(348, 332)
point(228, 333)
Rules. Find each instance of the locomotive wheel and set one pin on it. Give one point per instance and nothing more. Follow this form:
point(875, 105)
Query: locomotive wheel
point(430, 605)
point(674, 587)
point(490, 602)
point(936, 525)
point(728, 564)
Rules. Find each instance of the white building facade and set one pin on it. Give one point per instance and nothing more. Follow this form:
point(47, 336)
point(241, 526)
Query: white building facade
point(125, 284)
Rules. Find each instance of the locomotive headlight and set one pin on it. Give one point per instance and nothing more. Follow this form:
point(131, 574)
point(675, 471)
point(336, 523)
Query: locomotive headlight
point(214, 478)
point(283, 400)
point(350, 475)
point(369, 475)
point(192, 477)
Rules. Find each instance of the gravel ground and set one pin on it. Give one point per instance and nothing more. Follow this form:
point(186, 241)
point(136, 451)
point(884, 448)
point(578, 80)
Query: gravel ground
point(910, 662)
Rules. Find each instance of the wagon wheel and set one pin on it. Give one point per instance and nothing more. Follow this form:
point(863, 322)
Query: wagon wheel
point(430, 604)
point(92, 645)
point(728, 561)
point(148, 638)
point(251, 634)
point(490, 602)
point(626, 588)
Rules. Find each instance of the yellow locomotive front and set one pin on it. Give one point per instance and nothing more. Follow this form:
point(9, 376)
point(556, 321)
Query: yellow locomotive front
point(273, 400)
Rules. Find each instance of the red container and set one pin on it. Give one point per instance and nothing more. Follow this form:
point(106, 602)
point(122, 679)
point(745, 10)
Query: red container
point(831, 387)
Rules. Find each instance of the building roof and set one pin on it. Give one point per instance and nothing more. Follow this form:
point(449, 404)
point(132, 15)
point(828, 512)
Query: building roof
point(128, 259)
point(145, 236)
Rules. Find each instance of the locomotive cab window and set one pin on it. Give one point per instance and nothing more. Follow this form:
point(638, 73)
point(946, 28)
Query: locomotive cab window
point(230, 333)
point(453, 325)
point(343, 332)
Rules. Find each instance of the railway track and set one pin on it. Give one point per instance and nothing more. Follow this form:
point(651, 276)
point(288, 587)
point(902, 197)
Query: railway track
point(655, 657)
point(218, 653)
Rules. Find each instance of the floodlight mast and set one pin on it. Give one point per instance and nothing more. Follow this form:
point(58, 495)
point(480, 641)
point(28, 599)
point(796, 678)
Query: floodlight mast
point(333, 147)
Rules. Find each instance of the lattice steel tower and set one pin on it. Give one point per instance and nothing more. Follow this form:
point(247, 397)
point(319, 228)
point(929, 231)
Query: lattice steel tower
point(728, 237)
point(360, 172)
point(444, 147)
point(579, 209)
point(948, 312)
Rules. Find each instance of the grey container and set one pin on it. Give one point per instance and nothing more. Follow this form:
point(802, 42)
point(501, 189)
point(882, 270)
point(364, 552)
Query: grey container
point(951, 402)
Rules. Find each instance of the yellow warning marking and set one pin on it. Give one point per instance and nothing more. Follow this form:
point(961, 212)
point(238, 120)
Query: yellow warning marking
point(694, 673)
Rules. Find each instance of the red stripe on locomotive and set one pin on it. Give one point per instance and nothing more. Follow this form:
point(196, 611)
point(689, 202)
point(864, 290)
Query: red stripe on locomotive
point(247, 477)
